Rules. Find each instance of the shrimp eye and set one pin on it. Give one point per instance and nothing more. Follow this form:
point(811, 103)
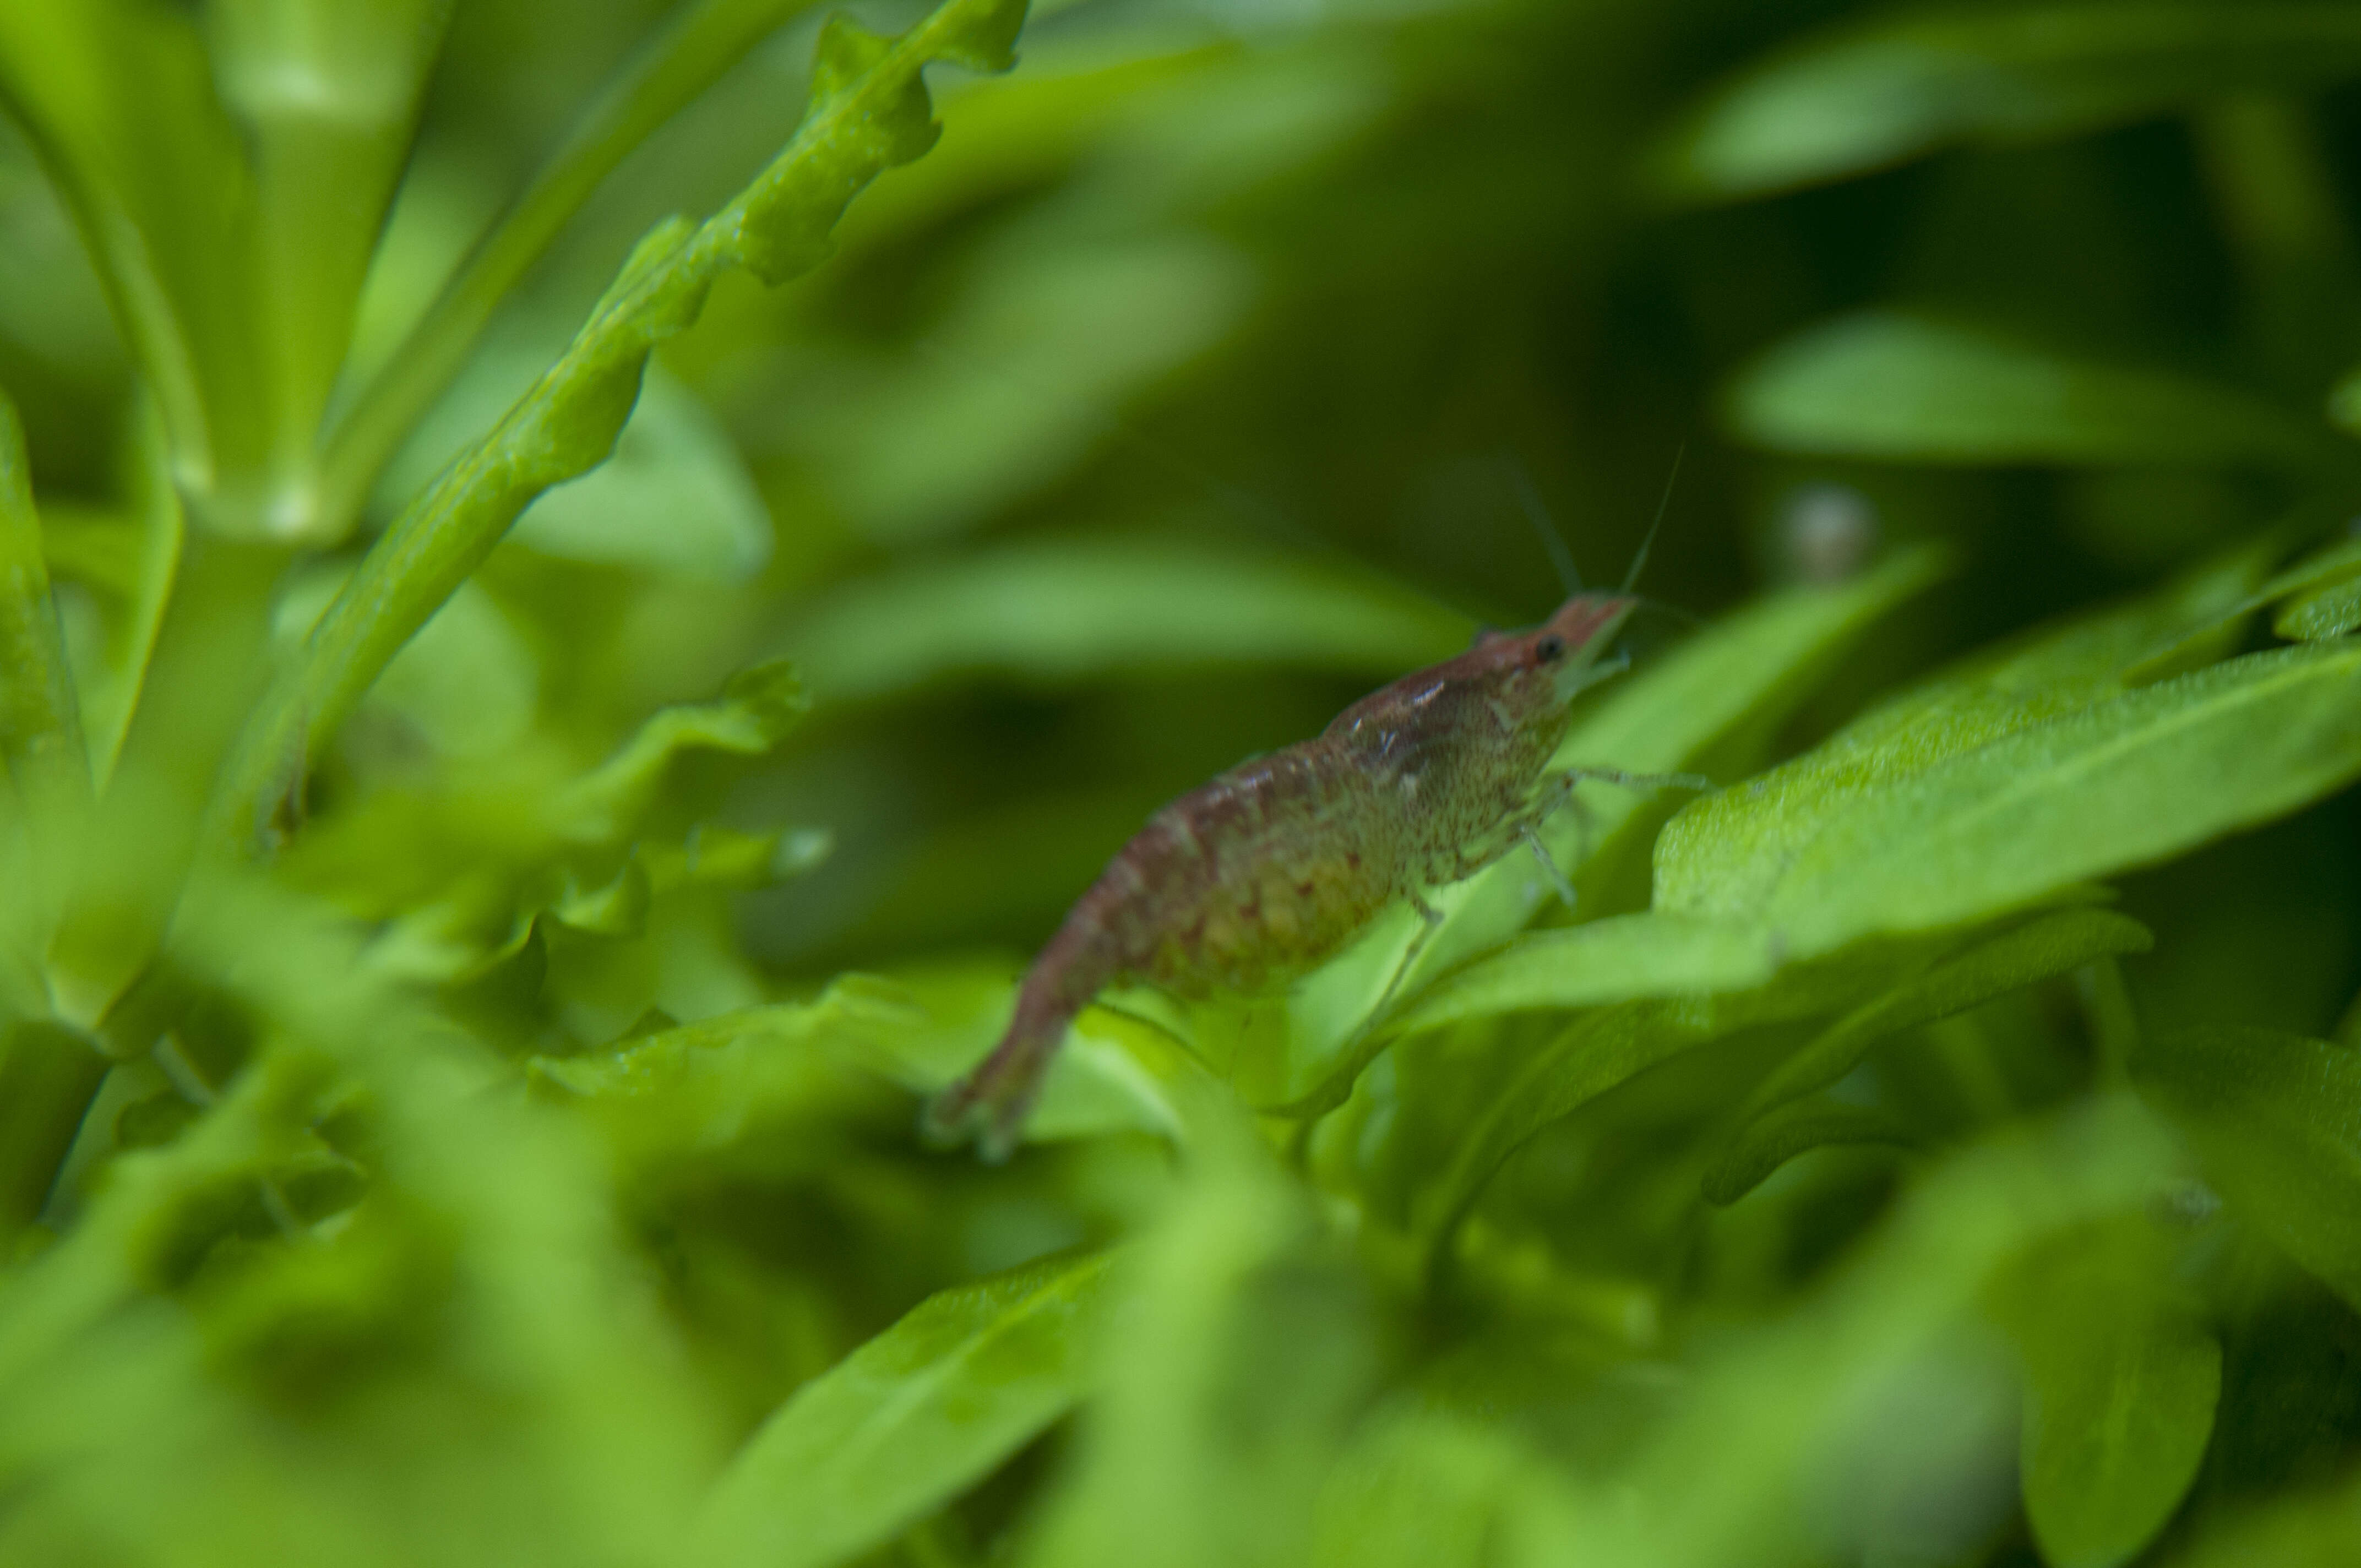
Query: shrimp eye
point(1550, 648)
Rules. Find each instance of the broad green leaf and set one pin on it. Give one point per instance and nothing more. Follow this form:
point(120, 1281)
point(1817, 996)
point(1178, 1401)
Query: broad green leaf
point(2122, 1378)
point(2273, 1119)
point(1903, 387)
point(2041, 948)
point(1797, 1127)
point(1999, 823)
point(756, 711)
point(909, 1420)
point(2056, 672)
point(1082, 609)
point(694, 49)
point(868, 111)
point(1895, 88)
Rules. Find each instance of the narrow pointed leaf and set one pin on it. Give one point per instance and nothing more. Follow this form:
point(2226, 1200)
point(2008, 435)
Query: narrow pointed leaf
point(1798, 1127)
point(1897, 88)
point(1901, 387)
point(909, 1420)
point(2042, 947)
point(2123, 1375)
point(2005, 823)
point(1077, 610)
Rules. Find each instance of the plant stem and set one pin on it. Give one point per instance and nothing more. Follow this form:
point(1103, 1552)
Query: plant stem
point(674, 70)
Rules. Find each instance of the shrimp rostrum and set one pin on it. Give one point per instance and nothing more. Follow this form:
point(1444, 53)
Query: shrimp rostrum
point(1263, 872)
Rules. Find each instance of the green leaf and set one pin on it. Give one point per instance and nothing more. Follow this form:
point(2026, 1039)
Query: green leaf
point(1888, 843)
point(2064, 670)
point(2123, 1376)
point(756, 709)
point(1583, 1060)
point(1621, 958)
point(909, 1420)
point(2039, 949)
point(1901, 387)
point(868, 111)
point(1797, 1127)
point(1082, 608)
point(1897, 88)
point(2272, 1118)
point(2323, 612)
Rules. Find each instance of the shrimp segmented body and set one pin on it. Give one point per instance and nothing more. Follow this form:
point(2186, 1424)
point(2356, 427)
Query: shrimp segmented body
point(1266, 871)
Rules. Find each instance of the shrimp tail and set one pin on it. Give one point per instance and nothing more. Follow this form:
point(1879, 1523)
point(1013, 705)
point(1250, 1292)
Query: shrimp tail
point(991, 1102)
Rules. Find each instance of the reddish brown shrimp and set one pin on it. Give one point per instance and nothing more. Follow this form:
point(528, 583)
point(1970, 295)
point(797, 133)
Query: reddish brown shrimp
point(1271, 868)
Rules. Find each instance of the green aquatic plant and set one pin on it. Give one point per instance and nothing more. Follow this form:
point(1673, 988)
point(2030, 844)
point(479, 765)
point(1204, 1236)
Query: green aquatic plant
point(538, 729)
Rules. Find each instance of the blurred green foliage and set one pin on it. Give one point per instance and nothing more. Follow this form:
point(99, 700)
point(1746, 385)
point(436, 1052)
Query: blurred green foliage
point(579, 583)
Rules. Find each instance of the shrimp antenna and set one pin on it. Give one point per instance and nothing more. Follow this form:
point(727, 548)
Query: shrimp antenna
point(1632, 577)
point(1537, 513)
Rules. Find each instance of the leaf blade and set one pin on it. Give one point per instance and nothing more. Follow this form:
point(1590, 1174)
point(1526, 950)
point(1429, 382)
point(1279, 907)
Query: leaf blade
point(908, 1420)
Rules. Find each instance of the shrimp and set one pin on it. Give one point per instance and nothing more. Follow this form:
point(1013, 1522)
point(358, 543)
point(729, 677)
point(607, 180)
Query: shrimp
point(1266, 871)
